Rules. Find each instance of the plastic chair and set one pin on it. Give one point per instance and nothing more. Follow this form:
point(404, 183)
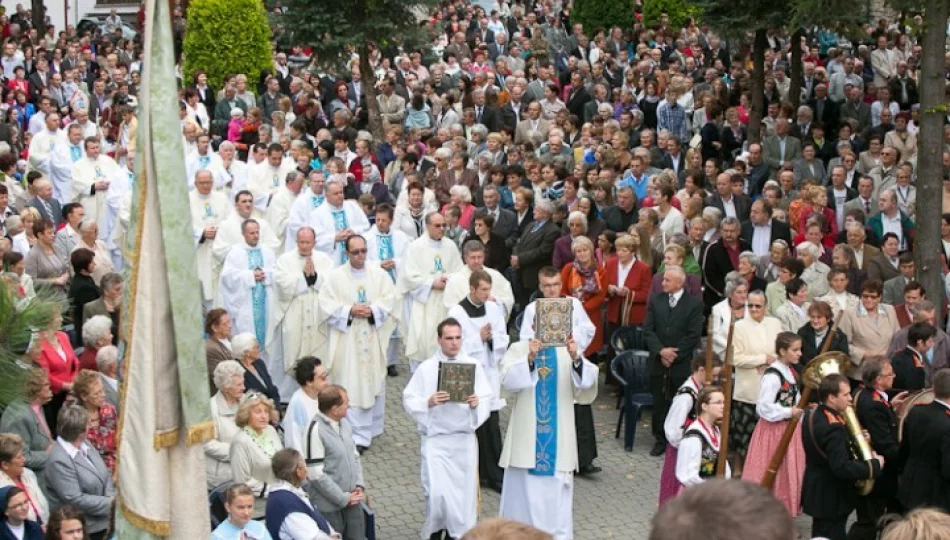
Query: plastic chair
point(630, 368)
point(216, 504)
point(627, 338)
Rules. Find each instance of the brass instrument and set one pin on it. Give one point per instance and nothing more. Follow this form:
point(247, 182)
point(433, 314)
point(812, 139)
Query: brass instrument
point(816, 370)
point(923, 397)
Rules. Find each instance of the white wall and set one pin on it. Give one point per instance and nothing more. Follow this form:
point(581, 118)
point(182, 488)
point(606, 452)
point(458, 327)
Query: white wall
point(57, 10)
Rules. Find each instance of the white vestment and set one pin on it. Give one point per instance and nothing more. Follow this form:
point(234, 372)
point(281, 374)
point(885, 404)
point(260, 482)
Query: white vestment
point(210, 162)
point(542, 501)
point(86, 173)
point(296, 317)
point(118, 211)
point(488, 353)
point(263, 181)
point(41, 147)
point(449, 447)
point(233, 178)
point(237, 291)
point(279, 211)
point(425, 261)
point(458, 288)
point(300, 412)
point(229, 234)
point(207, 211)
point(299, 215)
point(356, 347)
point(61, 161)
point(327, 220)
point(383, 247)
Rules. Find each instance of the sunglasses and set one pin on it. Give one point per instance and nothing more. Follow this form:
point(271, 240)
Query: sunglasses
point(871, 296)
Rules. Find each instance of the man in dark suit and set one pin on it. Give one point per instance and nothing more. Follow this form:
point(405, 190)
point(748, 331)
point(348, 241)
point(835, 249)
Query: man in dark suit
point(760, 221)
point(506, 223)
point(825, 109)
point(590, 108)
point(674, 158)
point(535, 249)
point(828, 493)
point(925, 451)
point(672, 330)
point(577, 96)
point(515, 110)
point(719, 261)
point(729, 204)
point(39, 79)
point(876, 414)
point(486, 115)
point(45, 203)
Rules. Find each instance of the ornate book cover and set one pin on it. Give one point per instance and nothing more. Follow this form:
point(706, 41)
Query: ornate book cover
point(552, 321)
point(458, 379)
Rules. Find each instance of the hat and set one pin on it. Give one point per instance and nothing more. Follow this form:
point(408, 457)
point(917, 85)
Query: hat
point(6, 493)
point(237, 111)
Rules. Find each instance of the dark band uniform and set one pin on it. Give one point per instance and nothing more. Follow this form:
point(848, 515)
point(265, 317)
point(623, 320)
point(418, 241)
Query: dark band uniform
point(909, 371)
point(828, 492)
point(926, 448)
point(877, 417)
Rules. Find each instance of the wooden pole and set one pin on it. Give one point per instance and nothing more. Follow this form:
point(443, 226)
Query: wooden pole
point(709, 351)
point(782, 449)
point(727, 399)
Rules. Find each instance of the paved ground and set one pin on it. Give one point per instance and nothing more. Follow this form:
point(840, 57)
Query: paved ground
point(617, 503)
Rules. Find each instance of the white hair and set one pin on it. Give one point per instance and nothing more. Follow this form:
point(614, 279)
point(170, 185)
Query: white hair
point(807, 248)
point(96, 329)
point(462, 192)
point(241, 344)
point(106, 357)
point(225, 372)
point(577, 214)
point(545, 205)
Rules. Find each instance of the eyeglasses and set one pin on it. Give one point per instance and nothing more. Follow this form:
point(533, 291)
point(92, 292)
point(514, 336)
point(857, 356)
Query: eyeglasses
point(871, 296)
point(363, 251)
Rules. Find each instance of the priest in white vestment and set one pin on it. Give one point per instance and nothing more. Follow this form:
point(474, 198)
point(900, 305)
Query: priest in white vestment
point(485, 338)
point(92, 180)
point(229, 234)
point(202, 159)
point(61, 161)
point(543, 385)
point(264, 179)
point(359, 304)
point(457, 288)
point(449, 446)
point(308, 201)
point(387, 247)
point(247, 281)
point(119, 211)
point(209, 209)
point(311, 377)
point(232, 176)
point(296, 322)
point(336, 220)
point(278, 212)
point(44, 142)
point(429, 261)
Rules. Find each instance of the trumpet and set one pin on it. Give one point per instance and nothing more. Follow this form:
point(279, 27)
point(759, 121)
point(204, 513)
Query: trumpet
point(816, 370)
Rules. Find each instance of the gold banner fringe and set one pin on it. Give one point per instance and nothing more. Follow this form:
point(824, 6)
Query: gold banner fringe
point(165, 439)
point(200, 433)
point(151, 526)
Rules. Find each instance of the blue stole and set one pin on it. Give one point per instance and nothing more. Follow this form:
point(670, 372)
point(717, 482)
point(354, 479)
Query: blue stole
point(438, 264)
point(209, 213)
point(545, 407)
point(339, 223)
point(316, 200)
point(75, 152)
point(255, 259)
point(385, 243)
point(203, 161)
point(361, 295)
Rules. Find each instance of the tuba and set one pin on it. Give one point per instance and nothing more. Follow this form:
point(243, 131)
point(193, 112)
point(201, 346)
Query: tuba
point(816, 370)
point(922, 397)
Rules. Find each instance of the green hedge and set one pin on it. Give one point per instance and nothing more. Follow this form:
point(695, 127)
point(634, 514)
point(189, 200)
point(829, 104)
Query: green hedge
point(678, 10)
point(224, 37)
point(594, 14)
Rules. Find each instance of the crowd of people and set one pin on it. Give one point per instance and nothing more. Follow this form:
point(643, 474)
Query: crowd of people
point(523, 157)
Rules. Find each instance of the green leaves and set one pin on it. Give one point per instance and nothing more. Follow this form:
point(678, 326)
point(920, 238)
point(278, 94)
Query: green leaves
point(18, 322)
point(678, 10)
point(594, 14)
point(226, 37)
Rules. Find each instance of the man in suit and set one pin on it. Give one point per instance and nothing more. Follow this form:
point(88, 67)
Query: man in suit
point(506, 223)
point(718, 260)
point(515, 109)
point(924, 311)
point(864, 199)
point(672, 330)
point(760, 230)
point(533, 129)
point(590, 108)
point(674, 158)
point(894, 287)
point(45, 203)
point(535, 249)
point(887, 202)
point(577, 96)
point(839, 193)
point(825, 109)
point(924, 482)
point(39, 79)
point(731, 205)
point(498, 48)
point(781, 149)
point(856, 109)
point(108, 366)
point(484, 114)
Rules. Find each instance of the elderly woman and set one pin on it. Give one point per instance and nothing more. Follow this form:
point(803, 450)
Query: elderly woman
point(869, 327)
point(14, 472)
point(461, 198)
point(246, 350)
point(775, 292)
point(290, 514)
point(815, 274)
point(815, 333)
point(767, 268)
point(109, 304)
point(587, 282)
point(229, 379)
point(839, 296)
point(96, 334)
point(24, 417)
point(253, 446)
point(793, 314)
point(46, 267)
point(497, 254)
point(748, 261)
point(24, 241)
point(91, 395)
point(675, 255)
point(57, 358)
point(733, 306)
point(753, 351)
point(88, 239)
point(628, 284)
point(87, 484)
point(83, 288)
point(563, 247)
point(814, 235)
point(843, 256)
point(411, 209)
point(218, 344)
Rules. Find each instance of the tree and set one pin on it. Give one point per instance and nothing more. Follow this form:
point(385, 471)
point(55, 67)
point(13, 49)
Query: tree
point(18, 323)
point(594, 14)
point(335, 30)
point(226, 37)
point(38, 11)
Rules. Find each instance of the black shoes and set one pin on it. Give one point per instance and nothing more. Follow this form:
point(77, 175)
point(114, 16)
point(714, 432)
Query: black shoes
point(391, 371)
point(588, 470)
point(658, 449)
point(360, 448)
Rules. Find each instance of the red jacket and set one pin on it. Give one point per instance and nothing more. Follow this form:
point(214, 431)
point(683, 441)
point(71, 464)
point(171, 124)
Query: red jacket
point(60, 371)
point(638, 281)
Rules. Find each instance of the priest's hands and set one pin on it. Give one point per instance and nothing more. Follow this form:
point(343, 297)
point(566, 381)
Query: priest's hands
point(439, 282)
point(572, 348)
point(388, 265)
point(486, 332)
point(259, 274)
point(210, 233)
point(534, 346)
point(441, 398)
point(343, 235)
point(361, 311)
point(308, 269)
point(472, 401)
point(102, 185)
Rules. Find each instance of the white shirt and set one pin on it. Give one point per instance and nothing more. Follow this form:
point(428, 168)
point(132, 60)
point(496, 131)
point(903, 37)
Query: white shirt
point(859, 255)
point(297, 525)
point(893, 225)
point(624, 271)
point(761, 238)
point(729, 207)
point(766, 406)
point(677, 296)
